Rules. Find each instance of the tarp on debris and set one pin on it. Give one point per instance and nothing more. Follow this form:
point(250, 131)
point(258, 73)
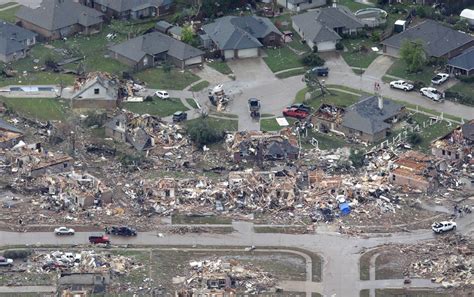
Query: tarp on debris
point(345, 209)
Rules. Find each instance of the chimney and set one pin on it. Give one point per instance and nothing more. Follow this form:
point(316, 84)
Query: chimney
point(380, 101)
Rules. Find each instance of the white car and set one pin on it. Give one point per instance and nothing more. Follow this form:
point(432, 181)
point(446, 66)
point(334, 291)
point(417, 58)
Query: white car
point(162, 94)
point(5, 261)
point(440, 227)
point(440, 78)
point(64, 231)
point(432, 93)
point(402, 85)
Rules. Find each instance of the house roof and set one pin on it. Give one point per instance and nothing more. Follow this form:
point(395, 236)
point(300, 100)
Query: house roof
point(437, 40)
point(155, 43)
point(366, 116)
point(56, 14)
point(232, 32)
point(468, 130)
point(163, 25)
point(464, 61)
point(6, 126)
point(12, 38)
point(110, 86)
point(126, 5)
point(175, 30)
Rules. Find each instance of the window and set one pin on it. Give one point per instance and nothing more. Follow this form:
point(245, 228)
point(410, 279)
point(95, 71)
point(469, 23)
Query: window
point(393, 177)
point(457, 155)
point(96, 91)
point(444, 152)
point(65, 165)
point(449, 153)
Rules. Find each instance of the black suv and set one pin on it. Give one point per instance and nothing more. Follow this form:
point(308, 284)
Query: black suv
point(121, 231)
point(302, 107)
point(180, 116)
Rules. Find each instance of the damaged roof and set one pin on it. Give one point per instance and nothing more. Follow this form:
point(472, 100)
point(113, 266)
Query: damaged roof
point(7, 127)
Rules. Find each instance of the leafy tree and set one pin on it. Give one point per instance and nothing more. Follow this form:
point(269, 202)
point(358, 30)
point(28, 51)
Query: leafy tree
point(202, 133)
point(421, 12)
point(357, 158)
point(313, 60)
point(413, 55)
point(187, 34)
point(414, 138)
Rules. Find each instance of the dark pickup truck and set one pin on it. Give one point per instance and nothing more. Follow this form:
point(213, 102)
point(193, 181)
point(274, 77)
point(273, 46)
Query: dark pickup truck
point(99, 239)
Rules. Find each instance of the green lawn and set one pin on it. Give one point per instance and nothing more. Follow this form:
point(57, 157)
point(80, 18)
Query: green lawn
point(282, 58)
point(39, 78)
point(222, 67)
point(192, 102)
point(156, 107)
point(337, 98)
point(220, 124)
point(464, 88)
point(430, 133)
point(352, 5)
point(291, 73)
point(157, 78)
point(325, 141)
point(9, 14)
point(38, 108)
point(7, 4)
point(199, 86)
point(398, 69)
point(269, 125)
point(359, 53)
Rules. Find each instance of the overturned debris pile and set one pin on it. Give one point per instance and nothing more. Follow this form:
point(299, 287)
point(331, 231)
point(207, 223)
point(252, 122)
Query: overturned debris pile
point(214, 275)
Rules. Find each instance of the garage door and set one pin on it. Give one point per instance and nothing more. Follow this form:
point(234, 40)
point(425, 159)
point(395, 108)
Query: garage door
point(229, 54)
point(248, 53)
point(391, 51)
point(192, 61)
point(326, 46)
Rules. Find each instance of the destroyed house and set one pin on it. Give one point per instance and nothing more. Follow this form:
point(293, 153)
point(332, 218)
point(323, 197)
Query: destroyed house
point(415, 170)
point(9, 135)
point(328, 117)
point(456, 144)
point(52, 164)
point(96, 91)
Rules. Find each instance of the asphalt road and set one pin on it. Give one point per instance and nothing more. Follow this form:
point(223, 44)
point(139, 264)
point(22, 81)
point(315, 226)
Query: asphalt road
point(340, 253)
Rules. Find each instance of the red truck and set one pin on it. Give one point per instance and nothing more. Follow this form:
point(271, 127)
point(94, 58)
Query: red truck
point(99, 239)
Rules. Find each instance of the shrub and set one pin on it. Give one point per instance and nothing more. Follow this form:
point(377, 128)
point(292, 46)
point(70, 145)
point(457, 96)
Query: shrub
point(148, 99)
point(339, 46)
point(418, 84)
point(313, 60)
point(421, 12)
point(375, 37)
point(414, 138)
point(315, 49)
point(17, 254)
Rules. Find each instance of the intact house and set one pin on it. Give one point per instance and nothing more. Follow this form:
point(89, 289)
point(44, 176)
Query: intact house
point(94, 91)
point(152, 49)
point(240, 37)
point(14, 42)
point(9, 135)
point(56, 19)
point(369, 120)
point(130, 9)
point(438, 40)
point(323, 27)
point(462, 64)
point(416, 170)
point(299, 5)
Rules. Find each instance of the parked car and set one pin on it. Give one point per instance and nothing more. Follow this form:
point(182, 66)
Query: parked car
point(5, 261)
point(162, 94)
point(302, 107)
point(440, 78)
point(179, 116)
point(432, 93)
point(99, 239)
point(320, 71)
point(122, 231)
point(64, 231)
point(53, 265)
point(401, 85)
point(295, 113)
point(254, 107)
point(440, 227)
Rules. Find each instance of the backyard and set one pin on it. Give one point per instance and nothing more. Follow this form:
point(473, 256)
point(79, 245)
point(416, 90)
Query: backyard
point(157, 78)
point(157, 107)
point(358, 52)
point(42, 109)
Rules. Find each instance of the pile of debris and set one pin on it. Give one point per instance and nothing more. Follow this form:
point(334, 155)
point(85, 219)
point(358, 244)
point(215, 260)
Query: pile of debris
point(215, 275)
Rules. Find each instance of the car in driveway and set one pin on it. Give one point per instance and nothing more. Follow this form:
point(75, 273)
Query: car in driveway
point(295, 113)
point(432, 93)
point(122, 231)
point(179, 116)
point(6, 261)
point(320, 71)
point(440, 78)
point(401, 85)
point(440, 227)
point(254, 107)
point(64, 231)
point(162, 94)
point(302, 107)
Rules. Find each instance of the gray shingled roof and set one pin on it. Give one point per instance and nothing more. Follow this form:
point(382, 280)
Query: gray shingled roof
point(13, 38)
point(232, 32)
point(365, 115)
point(57, 14)
point(318, 25)
point(126, 5)
point(155, 43)
point(437, 40)
point(6, 126)
point(464, 61)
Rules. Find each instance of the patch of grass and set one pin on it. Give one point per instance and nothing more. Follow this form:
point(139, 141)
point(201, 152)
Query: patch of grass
point(225, 115)
point(38, 108)
point(135, 277)
point(291, 73)
point(269, 125)
point(156, 107)
point(282, 58)
point(325, 141)
point(39, 78)
point(337, 98)
point(300, 95)
point(26, 278)
point(354, 56)
point(220, 66)
point(399, 69)
point(9, 14)
point(8, 4)
point(352, 5)
point(192, 102)
point(358, 71)
point(220, 124)
point(199, 86)
point(174, 80)
point(430, 133)
point(296, 43)
point(411, 293)
point(364, 264)
point(388, 265)
point(463, 88)
point(276, 229)
point(211, 220)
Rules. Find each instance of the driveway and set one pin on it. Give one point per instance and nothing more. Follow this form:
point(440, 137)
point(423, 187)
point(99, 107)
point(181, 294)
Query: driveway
point(251, 70)
point(379, 67)
point(213, 76)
